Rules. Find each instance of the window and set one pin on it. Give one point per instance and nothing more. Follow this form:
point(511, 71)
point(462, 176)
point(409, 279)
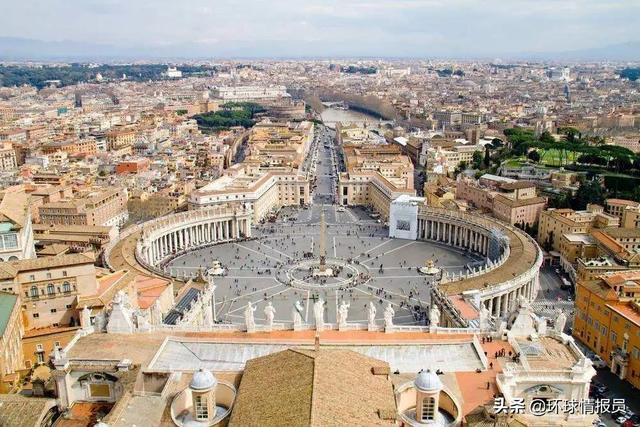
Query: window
point(36, 315)
point(428, 409)
point(33, 292)
point(50, 289)
point(614, 337)
point(64, 273)
point(202, 411)
point(9, 241)
point(39, 347)
point(53, 310)
point(48, 275)
point(66, 287)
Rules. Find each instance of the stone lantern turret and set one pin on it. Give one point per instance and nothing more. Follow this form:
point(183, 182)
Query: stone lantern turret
point(203, 395)
point(428, 387)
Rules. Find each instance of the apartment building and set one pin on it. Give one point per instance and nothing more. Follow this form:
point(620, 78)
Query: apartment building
point(370, 189)
point(607, 320)
point(11, 332)
point(444, 159)
point(385, 159)
point(120, 138)
point(376, 175)
point(8, 160)
point(263, 192)
point(512, 201)
point(248, 93)
point(93, 207)
point(556, 222)
point(278, 145)
point(49, 287)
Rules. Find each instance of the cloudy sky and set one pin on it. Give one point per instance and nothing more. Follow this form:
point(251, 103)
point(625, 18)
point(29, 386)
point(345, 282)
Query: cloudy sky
point(330, 27)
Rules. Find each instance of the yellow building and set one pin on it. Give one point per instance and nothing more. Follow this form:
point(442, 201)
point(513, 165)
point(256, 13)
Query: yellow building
point(11, 332)
point(279, 145)
point(50, 286)
point(617, 207)
point(376, 175)
point(556, 222)
point(608, 321)
point(263, 192)
point(38, 344)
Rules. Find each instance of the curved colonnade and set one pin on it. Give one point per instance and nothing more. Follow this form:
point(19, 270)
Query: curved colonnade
point(167, 237)
point(513, 257)
point(510, 272)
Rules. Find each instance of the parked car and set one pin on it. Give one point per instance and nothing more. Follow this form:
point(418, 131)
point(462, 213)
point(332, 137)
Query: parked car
point(621, 419)
point(598, 363)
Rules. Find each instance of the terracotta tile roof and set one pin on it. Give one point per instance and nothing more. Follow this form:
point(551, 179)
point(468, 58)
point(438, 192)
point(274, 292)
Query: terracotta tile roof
point(107, 287)
point(312, 388)
point(149, 289)
point(14, 207)
point(47, 262)
point(18, 411)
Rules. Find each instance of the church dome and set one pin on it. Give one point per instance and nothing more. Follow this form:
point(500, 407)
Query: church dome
point(428, 381)
point(203, 379)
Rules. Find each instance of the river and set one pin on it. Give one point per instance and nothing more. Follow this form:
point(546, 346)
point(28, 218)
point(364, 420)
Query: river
point(332, 115)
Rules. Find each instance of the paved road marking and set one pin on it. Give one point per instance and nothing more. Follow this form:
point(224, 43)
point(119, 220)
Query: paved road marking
point(391, 251)
point(275, 250)
point(259, 253)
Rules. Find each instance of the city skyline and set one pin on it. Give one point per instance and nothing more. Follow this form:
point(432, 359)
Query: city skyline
point(412, 28)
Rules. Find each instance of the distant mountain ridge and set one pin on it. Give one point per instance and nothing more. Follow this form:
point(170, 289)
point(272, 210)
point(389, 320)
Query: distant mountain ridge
point(22, 49)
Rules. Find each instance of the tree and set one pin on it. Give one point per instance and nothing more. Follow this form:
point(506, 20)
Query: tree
point(487, 156)
point(534, 156)
point(477, 160)
point(588, 192)
point(547, 138)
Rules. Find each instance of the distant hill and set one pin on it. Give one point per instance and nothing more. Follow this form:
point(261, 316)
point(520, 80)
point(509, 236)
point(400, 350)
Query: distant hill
point(629, 51)
point(21, 49)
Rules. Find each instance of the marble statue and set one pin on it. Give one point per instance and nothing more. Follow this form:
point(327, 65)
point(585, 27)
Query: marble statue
point(142, 323)
point(343, 313)
point(560, 323)
point(372, 315)
point(484, 317)
point(318, 313)
point(85, 320)
point(156, 313)
point(389, 312)
point(434, 316)
point(269, 313)
point(248, 317)
point(208, 315)
point(296, 313)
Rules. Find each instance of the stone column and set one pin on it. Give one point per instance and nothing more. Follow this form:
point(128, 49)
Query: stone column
point(63, 387)
point(499, 306)
point(491, 306)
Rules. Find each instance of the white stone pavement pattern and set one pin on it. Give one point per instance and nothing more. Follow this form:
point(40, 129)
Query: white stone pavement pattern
point(252, 267)
point(180, 355)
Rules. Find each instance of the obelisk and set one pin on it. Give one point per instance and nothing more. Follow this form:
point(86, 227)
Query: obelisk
point(323, 243)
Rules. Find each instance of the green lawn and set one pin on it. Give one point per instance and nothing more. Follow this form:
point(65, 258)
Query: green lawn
point(552, 157)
